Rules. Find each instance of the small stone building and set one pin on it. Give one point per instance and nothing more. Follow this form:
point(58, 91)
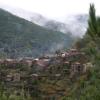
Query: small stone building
point(16, 77)
point(77, 68)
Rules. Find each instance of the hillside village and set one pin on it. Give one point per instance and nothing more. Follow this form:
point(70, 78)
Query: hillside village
point(71, 60)
point(68, 65)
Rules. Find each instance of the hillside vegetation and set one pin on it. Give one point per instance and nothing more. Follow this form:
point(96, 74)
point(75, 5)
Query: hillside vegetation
point(89, 89)
point(21, 38)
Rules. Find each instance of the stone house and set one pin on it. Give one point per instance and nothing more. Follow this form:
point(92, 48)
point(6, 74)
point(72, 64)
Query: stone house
point(77, 68)
point(13, 77)
point(16, 77)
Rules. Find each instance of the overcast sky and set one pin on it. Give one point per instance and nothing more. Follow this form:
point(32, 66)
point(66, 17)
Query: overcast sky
point(53, 8)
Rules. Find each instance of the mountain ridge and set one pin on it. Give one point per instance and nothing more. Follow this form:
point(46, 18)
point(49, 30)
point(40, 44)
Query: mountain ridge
point(74, 24)
point(19, 38)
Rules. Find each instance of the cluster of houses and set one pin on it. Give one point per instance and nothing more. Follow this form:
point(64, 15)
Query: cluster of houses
point(71, 62)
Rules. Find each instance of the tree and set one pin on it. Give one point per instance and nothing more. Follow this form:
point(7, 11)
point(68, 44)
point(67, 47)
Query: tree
point(92, 22)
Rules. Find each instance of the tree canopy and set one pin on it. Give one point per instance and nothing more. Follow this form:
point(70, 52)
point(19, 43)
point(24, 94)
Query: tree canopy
point(93, 23)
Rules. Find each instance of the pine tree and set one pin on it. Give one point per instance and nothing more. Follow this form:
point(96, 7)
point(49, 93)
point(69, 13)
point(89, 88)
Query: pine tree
point(92, 22)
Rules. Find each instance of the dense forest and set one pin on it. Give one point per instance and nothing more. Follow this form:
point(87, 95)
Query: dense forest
point(22, 38)
point(81, 86)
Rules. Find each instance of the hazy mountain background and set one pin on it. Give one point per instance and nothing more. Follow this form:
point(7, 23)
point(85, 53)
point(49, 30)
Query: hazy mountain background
point(21, 38)
point(33, 35)
point(74, 24)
